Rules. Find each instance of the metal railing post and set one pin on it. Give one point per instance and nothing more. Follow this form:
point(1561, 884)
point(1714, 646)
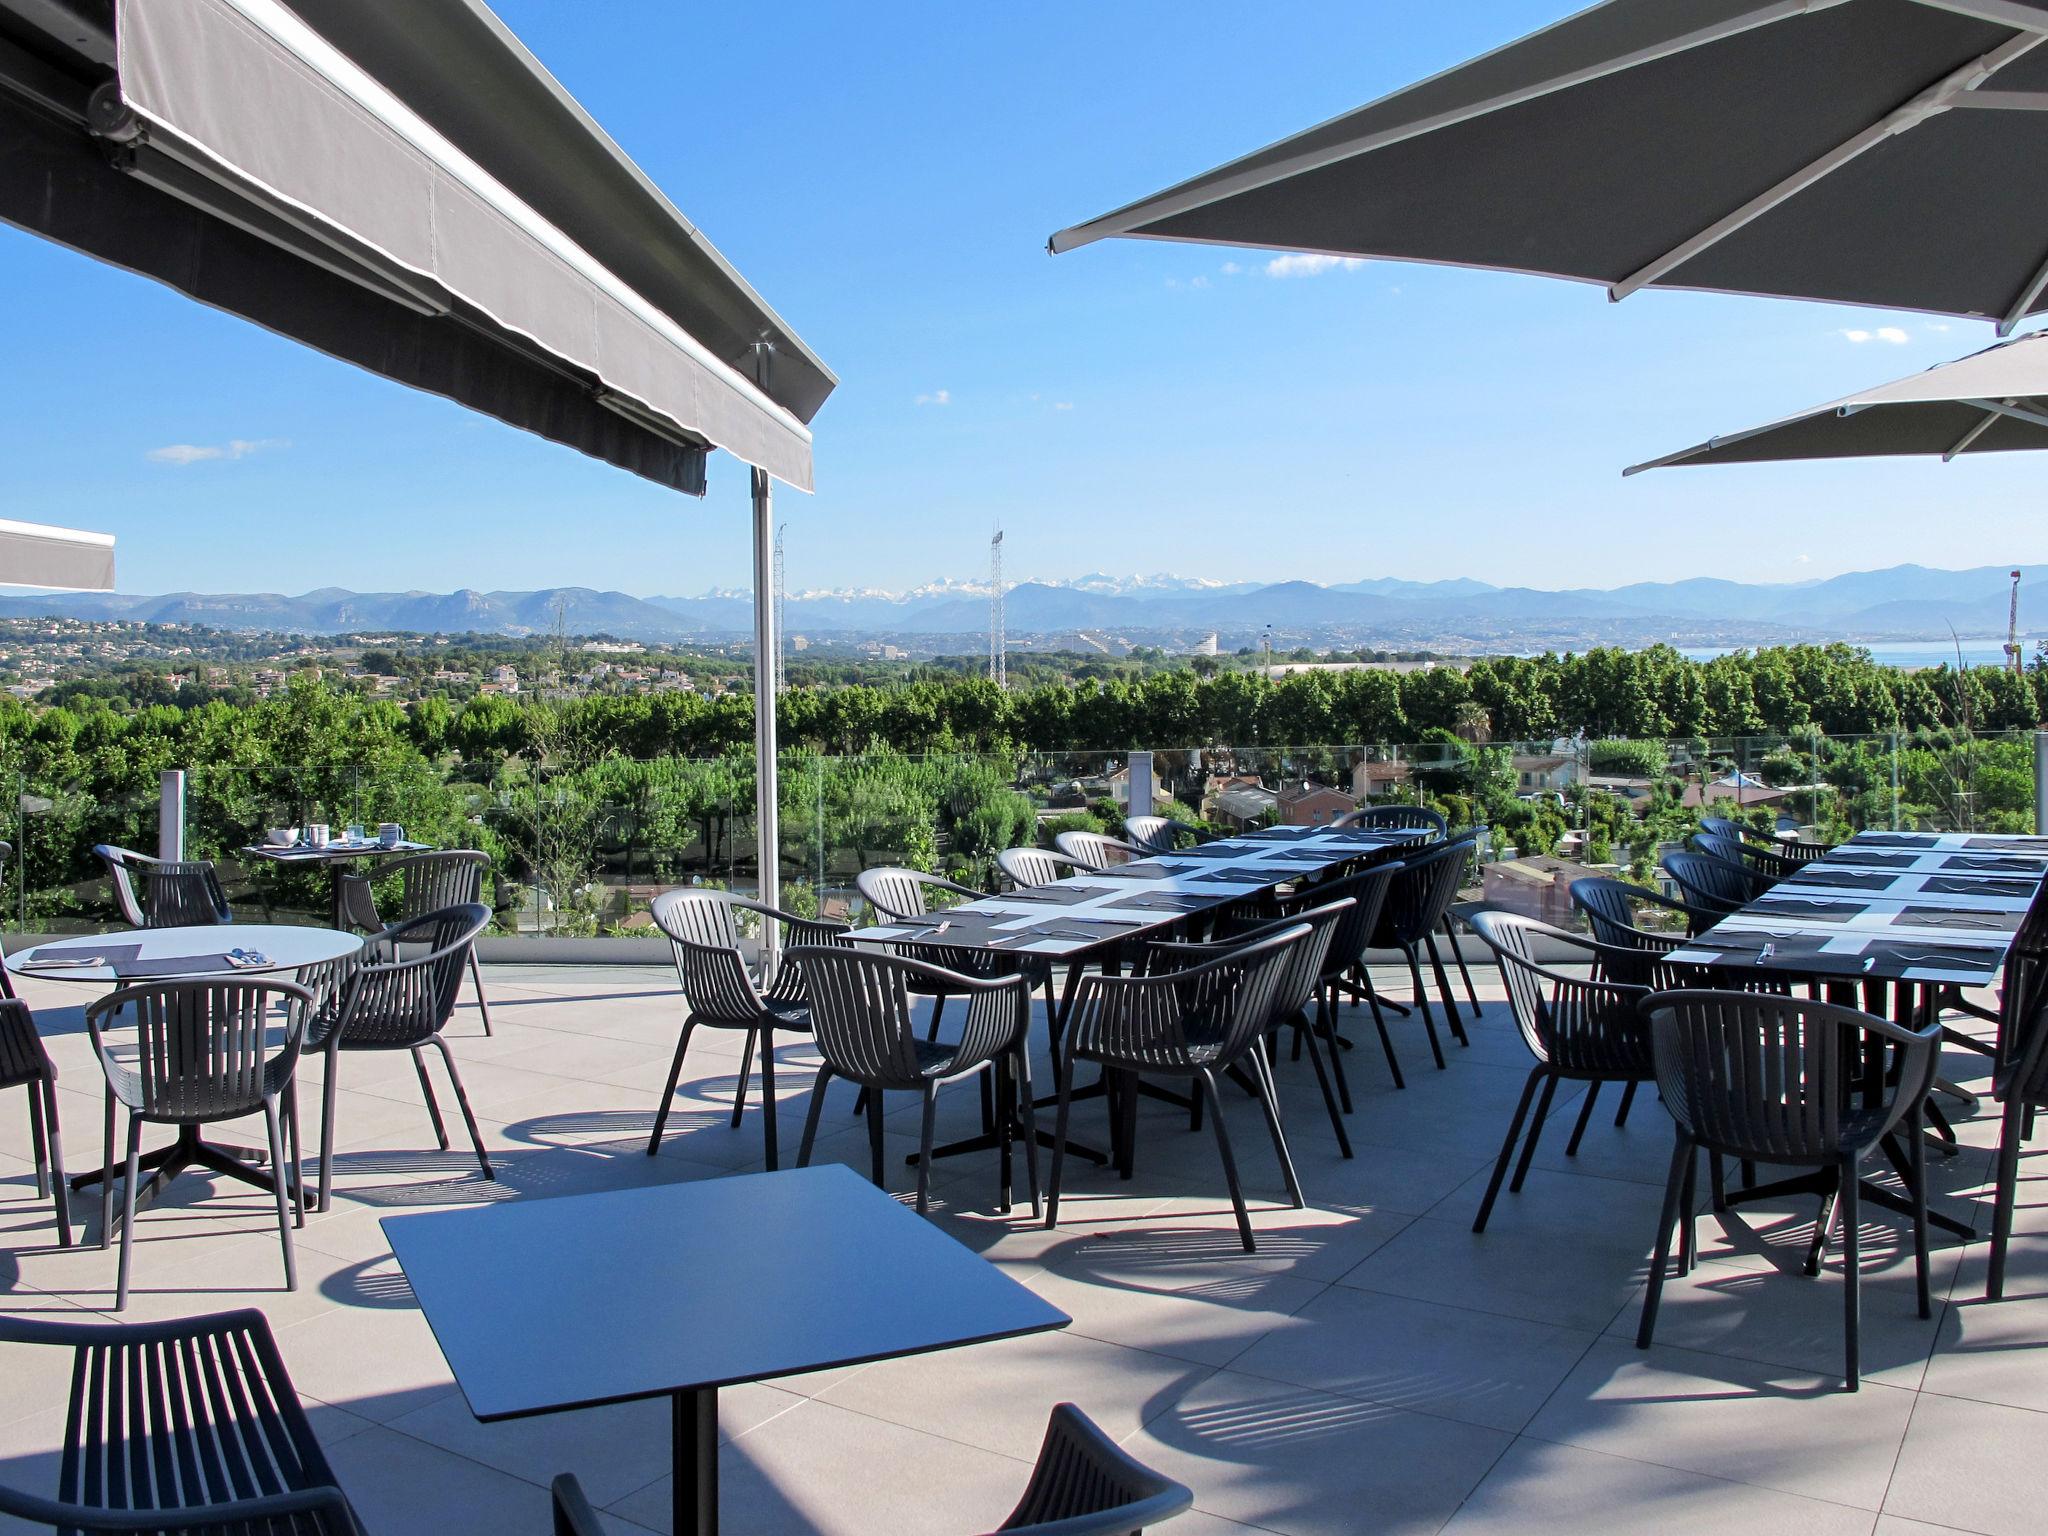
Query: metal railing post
point(170, 824)
point(2041, 781)
point(1141, 785)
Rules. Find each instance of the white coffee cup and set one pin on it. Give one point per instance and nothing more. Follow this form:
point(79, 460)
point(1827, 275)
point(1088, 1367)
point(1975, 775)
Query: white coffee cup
point(316, 834)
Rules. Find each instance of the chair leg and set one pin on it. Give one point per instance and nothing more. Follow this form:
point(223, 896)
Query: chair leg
point(1386, 1044)
point(924, 1145)
point(107, 1178)
point(1689, 1216)
point(1823, 1230)
point(128, 1210)
point(1628, 1099)
point(327, 1091)
point(1464, 970)
point(291, 1122)
point(476, 1137)
point(875, 1168)
point(1571, 1148)
point(2008, 1195)
point(274, 1133)
point(1315, 1059)
point(1852, 1292)
point(1326, 1023)
point(1718, 1182)
point(1003, 1092)
point(476, 982)
point(1535, 1134)
point(1443, 991)
point(1025, 1098)
point(739, 1092)
point(768, 1094)
point(1269, 1100)
point(1917, 1163)
point(1127, 1124)
point(39, 1140)
point(60, 1185)
point(811, 1117)
point(668, 1094)
point(1436, 1048)
point(1244, 1220)
point(1507, 1148)
point(1064, 1071)
point(419, 1065)
point(938, 1011)
point(1653, 1292)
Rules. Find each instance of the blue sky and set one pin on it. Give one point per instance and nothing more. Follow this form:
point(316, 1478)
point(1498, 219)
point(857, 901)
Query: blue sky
point(886, 175)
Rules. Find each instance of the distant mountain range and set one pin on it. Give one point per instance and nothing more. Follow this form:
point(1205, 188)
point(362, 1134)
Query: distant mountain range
point(1906, 602)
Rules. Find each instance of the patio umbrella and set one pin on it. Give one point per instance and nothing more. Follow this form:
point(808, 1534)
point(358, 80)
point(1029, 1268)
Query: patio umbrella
point(407, 188)
point(1995, 401)
point(37, 555)
point(1876, 152)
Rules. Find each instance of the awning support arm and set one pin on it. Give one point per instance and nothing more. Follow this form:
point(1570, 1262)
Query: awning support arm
point(1962, 444)
point(1936, 99)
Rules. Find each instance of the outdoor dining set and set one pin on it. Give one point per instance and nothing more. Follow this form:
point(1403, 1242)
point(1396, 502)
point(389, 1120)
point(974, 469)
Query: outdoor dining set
point(1785, 1002)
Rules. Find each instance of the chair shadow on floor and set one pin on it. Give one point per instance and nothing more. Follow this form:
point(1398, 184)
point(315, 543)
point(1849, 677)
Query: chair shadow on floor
point(376, 1283)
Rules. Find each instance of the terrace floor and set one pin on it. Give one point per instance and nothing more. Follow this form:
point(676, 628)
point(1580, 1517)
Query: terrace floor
point(1374, 1368)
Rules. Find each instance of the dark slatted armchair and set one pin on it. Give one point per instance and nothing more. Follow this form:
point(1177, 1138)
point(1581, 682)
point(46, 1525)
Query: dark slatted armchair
point(428, 882)
point(397, 996)
point(1771, 1079)
point(702, 928)
point(24, 1063)
point(173, 894)
point(1579, 1030)
point(1713, 888)
point(217, 1442)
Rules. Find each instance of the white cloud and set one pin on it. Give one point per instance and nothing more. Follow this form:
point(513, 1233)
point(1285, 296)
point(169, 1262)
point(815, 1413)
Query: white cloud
point(199, 453)
point(1940, 327)
point(1802, 559)
point(936, 397)
point(1063, 405)
point(1230, 269)
point(1891, 335)
point(1193, 282)
point(1301, 264)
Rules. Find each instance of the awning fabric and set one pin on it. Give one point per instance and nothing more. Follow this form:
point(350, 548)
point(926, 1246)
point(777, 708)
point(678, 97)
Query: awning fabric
point(1880, 152)
point(1995, 401)
point(254, 159)
point(37, 555)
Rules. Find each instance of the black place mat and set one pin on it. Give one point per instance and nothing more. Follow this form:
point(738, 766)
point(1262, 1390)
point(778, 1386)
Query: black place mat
point(1805, 909)
point(1843, 879)
point(1991, 863)
point(1058, 894)
point(173, 965)
point(2009, 844)
point(1976, 885)
point(1949, 917)
point(105, 954)
point(1165, 901)
point(1244, 875)
point(1859, 858)
point(1146, 869)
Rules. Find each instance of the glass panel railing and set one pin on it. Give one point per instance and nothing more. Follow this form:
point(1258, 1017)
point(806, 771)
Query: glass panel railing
point(579, 846)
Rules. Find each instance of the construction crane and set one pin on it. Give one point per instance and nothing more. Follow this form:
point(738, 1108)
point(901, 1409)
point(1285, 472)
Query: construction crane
point(998, 642)
point(2012, 630)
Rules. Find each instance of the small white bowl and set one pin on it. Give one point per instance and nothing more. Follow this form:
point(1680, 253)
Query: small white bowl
point(282, 837)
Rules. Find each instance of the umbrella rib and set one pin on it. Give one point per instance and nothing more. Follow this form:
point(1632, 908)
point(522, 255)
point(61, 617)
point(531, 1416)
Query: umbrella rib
point(1962, 444)
point(1936, 99)
point(2013, 409)
point(1215, 188)
point(2004, 13)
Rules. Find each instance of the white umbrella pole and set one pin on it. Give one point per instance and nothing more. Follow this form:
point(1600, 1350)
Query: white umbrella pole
point(768, 835)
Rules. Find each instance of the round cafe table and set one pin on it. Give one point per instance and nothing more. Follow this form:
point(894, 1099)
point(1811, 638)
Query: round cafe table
point(284, 949)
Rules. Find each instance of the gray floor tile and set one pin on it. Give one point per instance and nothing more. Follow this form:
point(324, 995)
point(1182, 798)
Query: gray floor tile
point(1978, 1466)
point(1539, 1489)
point(1575, 1279)
point(1473, 1366)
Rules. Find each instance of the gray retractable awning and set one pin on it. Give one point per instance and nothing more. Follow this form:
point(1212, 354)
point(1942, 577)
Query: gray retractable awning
point(1880, 152)
point(1995, 401)
point(37, 555)
point(404, 187)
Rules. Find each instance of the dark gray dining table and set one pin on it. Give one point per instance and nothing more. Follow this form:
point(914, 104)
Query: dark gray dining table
point(543, 1306)
point(1911, 913)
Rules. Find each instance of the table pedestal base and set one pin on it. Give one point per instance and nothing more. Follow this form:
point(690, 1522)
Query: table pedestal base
point(693, 1504)
point(1821, 1183)
point(188, 1151)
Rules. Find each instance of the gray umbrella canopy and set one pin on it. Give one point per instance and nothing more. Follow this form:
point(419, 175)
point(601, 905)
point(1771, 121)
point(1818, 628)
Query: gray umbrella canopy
point(1879, 152)
point(65, 559)
point(1995, 401)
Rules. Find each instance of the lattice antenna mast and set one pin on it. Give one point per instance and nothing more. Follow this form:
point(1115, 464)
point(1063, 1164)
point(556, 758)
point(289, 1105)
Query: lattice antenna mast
point(781, 611)
point(2012, 630)
point(998, 644)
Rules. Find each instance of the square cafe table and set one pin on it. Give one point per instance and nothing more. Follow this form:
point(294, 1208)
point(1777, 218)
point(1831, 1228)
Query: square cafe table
point(333, 855)
point(546, 1305)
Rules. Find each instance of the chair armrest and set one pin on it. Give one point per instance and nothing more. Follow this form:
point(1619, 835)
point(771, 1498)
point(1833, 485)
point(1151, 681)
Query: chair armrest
point(358, 907)
point(573, 1514)
point(327, 1505)
point(807, 930)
